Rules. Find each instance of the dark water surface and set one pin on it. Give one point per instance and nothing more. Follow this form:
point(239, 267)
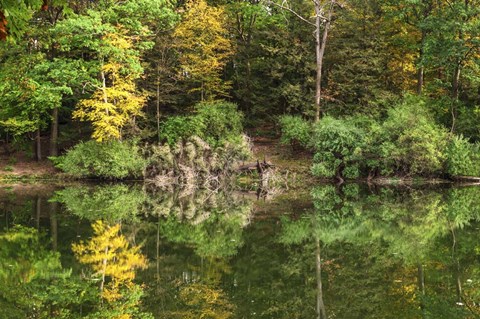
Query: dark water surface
point(121, 251)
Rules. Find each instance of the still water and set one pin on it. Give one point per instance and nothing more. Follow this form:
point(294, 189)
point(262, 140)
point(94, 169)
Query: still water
point(123, 251)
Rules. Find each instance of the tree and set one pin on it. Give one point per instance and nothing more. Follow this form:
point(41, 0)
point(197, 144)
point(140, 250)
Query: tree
point(116, 101)
point(204, 48)
point(320, 19)
point(109, 255)
point(27, 95)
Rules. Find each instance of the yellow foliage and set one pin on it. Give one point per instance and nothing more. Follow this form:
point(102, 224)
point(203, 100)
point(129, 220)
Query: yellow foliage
point(203, 301)
point(204, 47)
point(116, 102)
point(109, 255)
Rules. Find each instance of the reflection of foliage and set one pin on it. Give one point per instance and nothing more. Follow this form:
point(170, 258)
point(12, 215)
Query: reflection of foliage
point(110, 257)
point(111, 202)
point(211, 222)
point(202, 301)
point(398, 231)
point(32, 281)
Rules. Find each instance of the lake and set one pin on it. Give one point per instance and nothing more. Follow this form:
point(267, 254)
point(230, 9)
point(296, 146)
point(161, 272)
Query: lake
point(131, 251)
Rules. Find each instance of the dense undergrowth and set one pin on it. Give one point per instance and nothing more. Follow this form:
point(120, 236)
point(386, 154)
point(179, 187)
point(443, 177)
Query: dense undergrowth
point(200, 148)
point(408, 141)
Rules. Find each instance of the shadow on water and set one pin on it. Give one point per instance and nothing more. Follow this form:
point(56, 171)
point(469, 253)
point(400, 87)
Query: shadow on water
point(351, 252)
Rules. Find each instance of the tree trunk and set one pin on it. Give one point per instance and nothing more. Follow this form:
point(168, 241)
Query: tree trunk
point(321, 312)
point(455, 94)
point(54, 133)
point(104, 270)
point(158, 104)
point(421, 286)
point(421, 69)
point(456, 82)
point(38, 211)
point(320, 44)
point(38, 146)
point(54, 225)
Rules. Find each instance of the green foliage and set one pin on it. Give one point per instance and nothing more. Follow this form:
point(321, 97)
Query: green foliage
point(176, 128)
point(295, 131)
point(411, 142)
point(113, 203)
point(32, 281)
point(337, 144)
point(463, 157)
point(110, 160)
point(215, 122)
point(221, 122)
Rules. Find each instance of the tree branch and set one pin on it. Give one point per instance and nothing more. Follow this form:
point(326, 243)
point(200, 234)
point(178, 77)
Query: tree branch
point(291, 11)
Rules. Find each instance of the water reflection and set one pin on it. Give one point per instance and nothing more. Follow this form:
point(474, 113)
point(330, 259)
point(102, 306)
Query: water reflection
point(122, 251)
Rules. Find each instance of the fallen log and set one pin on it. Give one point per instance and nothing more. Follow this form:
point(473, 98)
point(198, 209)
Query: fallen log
point(258, 166)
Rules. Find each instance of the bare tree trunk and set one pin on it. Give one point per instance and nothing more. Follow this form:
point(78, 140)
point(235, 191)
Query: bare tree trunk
point(158, 104)
point(54, 225)
point(421, 286)
point(321, 312)
point(421, 69)
point(158, 250)
point(456, 82)
point(320, 44)
point(38, 211)
point(104, 90)
point(455, 94)
point(38, 145)
point(104, 270)
point(54, 133)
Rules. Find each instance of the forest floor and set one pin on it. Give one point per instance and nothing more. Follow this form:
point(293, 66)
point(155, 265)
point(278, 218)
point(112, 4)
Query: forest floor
point(20, 166)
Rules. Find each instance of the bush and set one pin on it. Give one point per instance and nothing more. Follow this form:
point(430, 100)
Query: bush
point(110, 160)
point(338, 147)
point(214, 122)
point(410, 141)
point(176, 128)
point(463, 157)
point(295, 131)
point(220, 122)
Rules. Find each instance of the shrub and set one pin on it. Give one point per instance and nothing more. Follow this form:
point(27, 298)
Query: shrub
point(295, 131)
point(410, 141)
point(110, 160)
point(176, 128)
point(463, 157)
point(338, 146)
point(214, 122)
point(220, 122)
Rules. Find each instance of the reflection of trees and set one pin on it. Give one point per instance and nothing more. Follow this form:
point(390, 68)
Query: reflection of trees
point(211, 223)
point(114, 203)
point(196, 234)
point(32, 281)
point(411, 234)
point(200, 300)
point(113, 263)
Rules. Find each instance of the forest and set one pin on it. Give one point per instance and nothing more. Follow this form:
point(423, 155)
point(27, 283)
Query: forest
point(232, 159)
point(122, 89)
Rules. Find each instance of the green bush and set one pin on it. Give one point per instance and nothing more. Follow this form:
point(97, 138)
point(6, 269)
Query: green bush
point(463, 157)
point(110, 160)
point(215, 122)
point(220, 122)
point(176, 128)
point(295, 131)
point(338, 148)
point(410, 142)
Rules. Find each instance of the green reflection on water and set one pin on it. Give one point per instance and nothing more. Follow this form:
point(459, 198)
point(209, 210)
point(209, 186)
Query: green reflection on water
point(349, 252)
